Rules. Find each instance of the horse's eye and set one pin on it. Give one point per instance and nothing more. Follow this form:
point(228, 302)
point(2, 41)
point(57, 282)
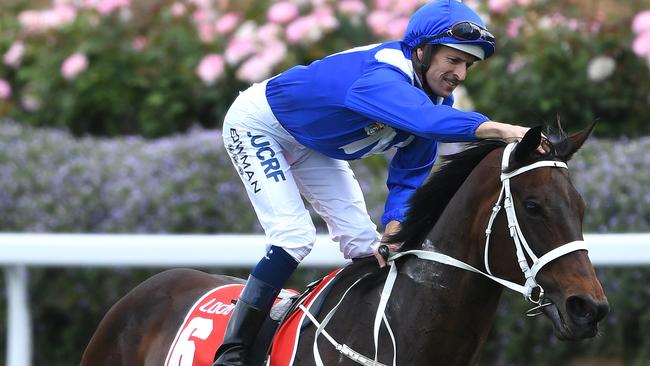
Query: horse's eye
point(532, 206)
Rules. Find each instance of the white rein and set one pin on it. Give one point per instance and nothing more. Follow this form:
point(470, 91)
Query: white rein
point(521, 245)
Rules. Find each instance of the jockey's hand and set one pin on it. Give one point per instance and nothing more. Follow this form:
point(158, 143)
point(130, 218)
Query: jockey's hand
point(391, 228)
point(505, 132)
point(391, 249)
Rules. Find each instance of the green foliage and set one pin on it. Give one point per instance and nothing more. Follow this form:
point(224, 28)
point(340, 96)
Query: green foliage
point(547, 69)
point(153, 91)
point(537, 75)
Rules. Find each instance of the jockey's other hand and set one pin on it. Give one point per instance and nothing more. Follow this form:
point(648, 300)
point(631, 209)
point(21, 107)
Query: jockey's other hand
point(380, 258)
point(391, 228)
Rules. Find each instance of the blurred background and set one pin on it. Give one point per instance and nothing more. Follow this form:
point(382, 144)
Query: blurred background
point(110, 115)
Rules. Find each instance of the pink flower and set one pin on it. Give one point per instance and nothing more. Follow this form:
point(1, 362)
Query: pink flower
point(33, 21)
point(514, 27)
point(282, 12)
point(273, 52)
point(202, 16)
point(227, 23)
point(325, 18)
point(352, 7)
point(106, 7)
point(74, 65)
point(396, 27)
point(178, 10)
point(407, 7)
point(238, 48)
point(201, 3)
point(641, 22)
point(14, 54)
point(641, 45)
point(5, 89)
point(254, 69)
point(139, 43)
point(383, 4)
point(303, 30)
point(30, 21)
point(210, 68)
point(64, 14)
point(206, 32)
point(269, 32)
point(378, 20)
point(499, 6)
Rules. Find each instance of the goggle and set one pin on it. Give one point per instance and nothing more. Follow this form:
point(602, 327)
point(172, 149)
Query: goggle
point(465, 31)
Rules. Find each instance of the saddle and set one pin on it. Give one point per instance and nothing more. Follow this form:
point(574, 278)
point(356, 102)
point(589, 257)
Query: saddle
point(281, 313)
point(202, 331)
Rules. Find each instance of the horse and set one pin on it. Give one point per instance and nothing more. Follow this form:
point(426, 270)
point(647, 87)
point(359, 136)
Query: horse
point(436, 301)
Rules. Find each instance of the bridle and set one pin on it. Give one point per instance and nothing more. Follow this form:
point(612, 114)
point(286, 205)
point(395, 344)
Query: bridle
point(505, 196)
point(521, 245)
point(521, 248)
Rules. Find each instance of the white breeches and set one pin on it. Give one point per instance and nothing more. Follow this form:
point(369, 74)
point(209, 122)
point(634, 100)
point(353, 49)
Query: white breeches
point(276, 170)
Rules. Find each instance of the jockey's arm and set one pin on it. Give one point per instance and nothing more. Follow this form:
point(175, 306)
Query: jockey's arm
point(503, 131)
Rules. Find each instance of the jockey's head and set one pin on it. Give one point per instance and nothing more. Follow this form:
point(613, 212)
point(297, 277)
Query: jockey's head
point(447, 23)
point(451, 23)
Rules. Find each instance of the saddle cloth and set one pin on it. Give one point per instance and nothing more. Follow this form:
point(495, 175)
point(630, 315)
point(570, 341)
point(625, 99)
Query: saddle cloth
point(203, 329)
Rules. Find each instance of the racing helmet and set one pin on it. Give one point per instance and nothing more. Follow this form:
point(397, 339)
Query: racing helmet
point(451, 23)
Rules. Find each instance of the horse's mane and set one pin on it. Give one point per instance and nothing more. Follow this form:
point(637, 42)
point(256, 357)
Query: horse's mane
point(430, 200)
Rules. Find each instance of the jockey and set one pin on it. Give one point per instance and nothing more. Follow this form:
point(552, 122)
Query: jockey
point(292, 135)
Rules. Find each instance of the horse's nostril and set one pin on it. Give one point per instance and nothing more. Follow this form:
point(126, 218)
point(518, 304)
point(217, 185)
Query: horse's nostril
point(584, 310)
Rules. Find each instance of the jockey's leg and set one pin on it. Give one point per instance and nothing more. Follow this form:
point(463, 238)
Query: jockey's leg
point(253, 306)
point(332, 189)
point(262, 152)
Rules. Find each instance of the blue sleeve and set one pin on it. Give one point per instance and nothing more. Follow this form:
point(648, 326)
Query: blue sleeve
point(386, 94)
point(408, 169)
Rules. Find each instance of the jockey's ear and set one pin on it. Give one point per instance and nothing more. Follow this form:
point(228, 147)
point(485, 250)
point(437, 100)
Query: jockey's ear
point(528, 144)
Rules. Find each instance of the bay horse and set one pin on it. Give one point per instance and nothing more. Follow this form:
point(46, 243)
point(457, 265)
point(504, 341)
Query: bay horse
point(436, 301)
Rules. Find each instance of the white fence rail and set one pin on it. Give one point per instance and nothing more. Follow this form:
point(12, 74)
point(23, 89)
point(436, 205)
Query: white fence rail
point(20, 251)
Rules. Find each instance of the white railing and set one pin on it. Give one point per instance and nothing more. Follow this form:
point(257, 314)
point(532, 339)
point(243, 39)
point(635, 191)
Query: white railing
point(18, 252)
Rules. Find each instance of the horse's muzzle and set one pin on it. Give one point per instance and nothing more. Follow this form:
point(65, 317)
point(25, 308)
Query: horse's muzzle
point(578, 318)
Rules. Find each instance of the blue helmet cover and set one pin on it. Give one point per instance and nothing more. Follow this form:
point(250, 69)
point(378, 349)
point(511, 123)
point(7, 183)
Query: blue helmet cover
point(436, 18)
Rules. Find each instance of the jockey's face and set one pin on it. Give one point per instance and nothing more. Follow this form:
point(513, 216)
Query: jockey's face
point(447, 70)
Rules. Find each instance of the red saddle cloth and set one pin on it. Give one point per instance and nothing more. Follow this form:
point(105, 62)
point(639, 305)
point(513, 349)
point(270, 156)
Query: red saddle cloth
point(202, 330)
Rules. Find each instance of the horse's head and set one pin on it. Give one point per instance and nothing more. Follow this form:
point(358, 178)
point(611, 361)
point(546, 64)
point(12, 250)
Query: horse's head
point(528, 204)
point(548, 213)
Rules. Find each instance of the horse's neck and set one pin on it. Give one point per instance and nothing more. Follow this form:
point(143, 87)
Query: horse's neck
point(460, 305)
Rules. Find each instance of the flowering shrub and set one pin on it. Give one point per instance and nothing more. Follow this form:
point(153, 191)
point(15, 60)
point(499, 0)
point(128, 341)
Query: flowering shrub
point(157, 67)
point(154, 67)
point(51, 182)
point(571, 60)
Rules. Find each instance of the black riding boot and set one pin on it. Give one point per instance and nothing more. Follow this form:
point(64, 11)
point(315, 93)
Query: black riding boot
point(250, 311)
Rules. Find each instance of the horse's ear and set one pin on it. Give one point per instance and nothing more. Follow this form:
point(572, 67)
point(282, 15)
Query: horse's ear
point(528, 144)
point(576, 141)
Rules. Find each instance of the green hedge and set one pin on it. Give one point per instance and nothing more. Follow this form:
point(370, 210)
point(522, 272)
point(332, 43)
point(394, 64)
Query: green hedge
point(52, 182)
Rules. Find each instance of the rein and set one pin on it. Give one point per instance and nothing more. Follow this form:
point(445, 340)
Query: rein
point(521, 248)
